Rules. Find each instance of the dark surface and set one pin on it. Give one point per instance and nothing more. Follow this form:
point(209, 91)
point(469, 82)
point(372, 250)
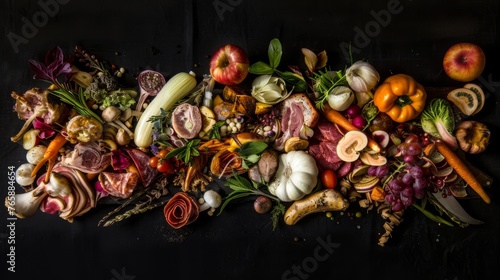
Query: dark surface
point(178, 36)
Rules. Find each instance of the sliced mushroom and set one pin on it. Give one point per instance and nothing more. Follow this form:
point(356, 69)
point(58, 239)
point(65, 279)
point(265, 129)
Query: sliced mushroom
point(350, 145)
point(374, 159)
point(295, 144)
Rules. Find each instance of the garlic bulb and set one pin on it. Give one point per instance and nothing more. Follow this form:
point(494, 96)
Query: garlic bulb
point(340, 98)
point(362, 76)
point(269, 89)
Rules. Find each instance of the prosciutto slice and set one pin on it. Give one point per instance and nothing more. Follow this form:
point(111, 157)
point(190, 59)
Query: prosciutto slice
point(88, 158)
point(119, 184)
point(141, 162)
point(182, 209)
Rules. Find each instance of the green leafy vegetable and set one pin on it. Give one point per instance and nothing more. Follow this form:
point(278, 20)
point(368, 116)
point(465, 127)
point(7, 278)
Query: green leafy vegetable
point(438, 120)
point(275, 52)
point(250, 152)
point(261, 68)
point(186, 152)
point(215, 131)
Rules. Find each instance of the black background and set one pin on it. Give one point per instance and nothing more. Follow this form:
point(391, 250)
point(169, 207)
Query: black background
point(173, 36)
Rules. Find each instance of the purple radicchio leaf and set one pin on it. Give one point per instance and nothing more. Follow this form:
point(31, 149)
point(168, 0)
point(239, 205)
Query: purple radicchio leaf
point(55, 62)
point(101, 192)
point(40, 70)
point(55, 65)
point(119, 160)
point(46, 130)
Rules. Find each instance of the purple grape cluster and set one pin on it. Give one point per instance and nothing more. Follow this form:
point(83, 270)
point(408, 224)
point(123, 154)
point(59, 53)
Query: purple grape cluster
point(411, 182)
point(379, 171)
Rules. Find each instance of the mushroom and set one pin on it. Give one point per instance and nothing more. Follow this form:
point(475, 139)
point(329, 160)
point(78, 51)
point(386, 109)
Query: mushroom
point(295, 144)
point(373, 159)
point(127, 115)
point(351, 144)
point(112, 116)
point(211, 200)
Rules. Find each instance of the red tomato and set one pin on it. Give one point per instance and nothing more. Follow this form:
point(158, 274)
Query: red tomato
point(329, 179)
point(165, 166)
point(162, 153)
point(153, 161)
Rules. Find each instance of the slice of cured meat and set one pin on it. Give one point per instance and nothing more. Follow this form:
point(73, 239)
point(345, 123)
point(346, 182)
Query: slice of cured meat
point(295, 112)
point(88, 158)
point(182, 209)
point(141, 162)
point(119, 184)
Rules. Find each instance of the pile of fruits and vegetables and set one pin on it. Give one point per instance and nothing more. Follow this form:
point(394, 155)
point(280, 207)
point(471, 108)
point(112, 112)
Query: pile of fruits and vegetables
point(295, 141)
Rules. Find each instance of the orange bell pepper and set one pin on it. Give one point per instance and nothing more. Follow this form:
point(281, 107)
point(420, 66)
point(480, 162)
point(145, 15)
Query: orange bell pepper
point(400, 97)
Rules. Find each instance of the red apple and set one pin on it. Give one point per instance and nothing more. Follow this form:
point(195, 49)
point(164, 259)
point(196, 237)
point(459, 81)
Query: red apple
point(229, 65)
point(464, 62)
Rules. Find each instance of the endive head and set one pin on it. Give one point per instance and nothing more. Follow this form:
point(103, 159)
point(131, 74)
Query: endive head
point(269, 89)
point(362, 76)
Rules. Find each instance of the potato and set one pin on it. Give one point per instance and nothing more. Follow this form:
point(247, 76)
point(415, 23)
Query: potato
point(320, 201)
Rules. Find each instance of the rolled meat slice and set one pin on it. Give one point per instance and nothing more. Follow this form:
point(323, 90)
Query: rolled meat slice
point(182, 209)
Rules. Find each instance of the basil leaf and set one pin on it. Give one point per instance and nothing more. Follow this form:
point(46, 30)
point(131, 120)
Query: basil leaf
point(251, 148)
point(274, 52)
point(294, 79)
point(260, 68)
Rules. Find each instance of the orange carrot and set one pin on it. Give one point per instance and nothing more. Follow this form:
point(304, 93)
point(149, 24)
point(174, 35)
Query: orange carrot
point(51, 152)
point(459, 166)
point(337, 117)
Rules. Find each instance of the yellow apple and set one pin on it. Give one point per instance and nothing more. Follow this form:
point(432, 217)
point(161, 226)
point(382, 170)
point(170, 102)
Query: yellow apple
point(464, 62)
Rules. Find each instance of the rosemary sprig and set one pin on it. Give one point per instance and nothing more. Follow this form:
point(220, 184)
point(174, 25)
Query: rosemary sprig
point(123, 205)
point(134, 211)
point(76, 100)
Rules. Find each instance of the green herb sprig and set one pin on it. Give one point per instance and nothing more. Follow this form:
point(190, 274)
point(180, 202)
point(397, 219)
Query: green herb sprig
point(186, 152)
point(241, 187)
point(275, 53)
point(76, 100)
point(215, 131)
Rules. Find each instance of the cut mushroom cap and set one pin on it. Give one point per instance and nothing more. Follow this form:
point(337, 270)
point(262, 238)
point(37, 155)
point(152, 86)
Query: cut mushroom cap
point(295, 143)
point(351, 144)
point(373, 159)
